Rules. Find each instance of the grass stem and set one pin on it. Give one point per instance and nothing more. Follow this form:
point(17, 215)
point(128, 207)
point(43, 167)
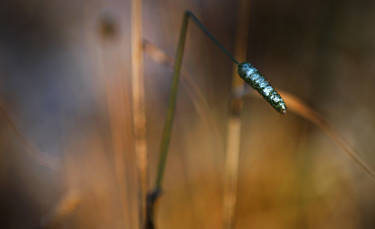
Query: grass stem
point(139, 113)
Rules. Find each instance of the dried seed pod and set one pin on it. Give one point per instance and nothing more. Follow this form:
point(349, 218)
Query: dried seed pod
point(252, 77)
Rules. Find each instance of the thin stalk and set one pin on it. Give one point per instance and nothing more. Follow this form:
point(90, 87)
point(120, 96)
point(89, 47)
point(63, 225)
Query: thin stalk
point(195, 94)
point(167, 131)
point(139, 114)
point(232, 150)
point(209, 35)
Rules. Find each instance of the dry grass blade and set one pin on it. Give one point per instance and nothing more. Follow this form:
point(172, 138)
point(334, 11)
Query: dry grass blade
point(43, 159)
point(231, 170)
point(233, 141)
point(298, 107)
point(139, 115)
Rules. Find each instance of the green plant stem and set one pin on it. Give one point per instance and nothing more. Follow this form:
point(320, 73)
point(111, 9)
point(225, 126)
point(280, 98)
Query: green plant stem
point(167, 131)
point(212, 37)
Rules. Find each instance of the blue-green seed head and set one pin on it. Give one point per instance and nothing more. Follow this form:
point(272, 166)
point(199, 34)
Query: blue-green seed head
point(252, 77)
point(245, 70)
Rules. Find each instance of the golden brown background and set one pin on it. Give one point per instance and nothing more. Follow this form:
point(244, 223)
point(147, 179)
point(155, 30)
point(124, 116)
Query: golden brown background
point(65, 82)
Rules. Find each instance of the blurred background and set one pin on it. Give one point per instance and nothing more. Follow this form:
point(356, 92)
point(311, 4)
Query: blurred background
point(66, 137)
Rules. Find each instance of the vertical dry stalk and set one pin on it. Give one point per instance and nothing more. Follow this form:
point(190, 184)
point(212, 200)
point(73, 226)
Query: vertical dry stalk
point(231, 170)
point(234, 122)
point(139, 116)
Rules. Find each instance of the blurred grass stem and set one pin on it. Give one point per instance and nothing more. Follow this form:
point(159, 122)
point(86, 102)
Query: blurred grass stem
point(139, 114)
point(232, 150)
point(167, 130)
point(174, 88)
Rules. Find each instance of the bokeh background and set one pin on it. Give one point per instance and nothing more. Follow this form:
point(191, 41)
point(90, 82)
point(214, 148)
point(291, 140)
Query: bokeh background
point(66, 138)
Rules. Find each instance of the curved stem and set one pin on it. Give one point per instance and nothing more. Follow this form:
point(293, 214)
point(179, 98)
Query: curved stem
point(167, 130)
